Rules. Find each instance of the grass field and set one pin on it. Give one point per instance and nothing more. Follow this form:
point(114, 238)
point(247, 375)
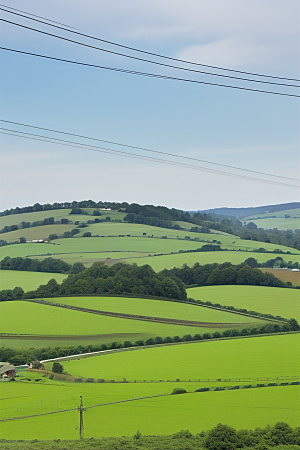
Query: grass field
point(279, 221)
point(58, 214)
point(41, 232)
point(285, 275)
point(169, 261)
point(21, 317)
point(270, 300)
point(158, 308)
point(26, 280)
point(154, 416)
point(223, 359)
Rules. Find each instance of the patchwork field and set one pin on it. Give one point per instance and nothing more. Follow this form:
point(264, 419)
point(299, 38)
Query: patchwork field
point(26, 280)
point(225, 359)
point(120, 405)
point(27, 318)
point(158, 308)
point(269, 300)
point(153, 416)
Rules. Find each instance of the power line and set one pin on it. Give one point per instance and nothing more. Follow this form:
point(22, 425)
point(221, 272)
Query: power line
point(156, 54)
point(136, 156)
point(143, 59)
point(33, 15)
point(147, 74)
point(145, 149)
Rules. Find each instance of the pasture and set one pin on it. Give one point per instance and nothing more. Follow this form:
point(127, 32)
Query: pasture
point(235, 257)
point(269, 300)
point(225, 359)
point(153, 416)
point(58, 214)
point(41, 232)
point(159, 308)
point(277, 219)
point(26, 280)
point(27, 318)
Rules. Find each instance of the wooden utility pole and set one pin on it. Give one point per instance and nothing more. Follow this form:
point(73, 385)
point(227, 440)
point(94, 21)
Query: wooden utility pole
point(81, 409)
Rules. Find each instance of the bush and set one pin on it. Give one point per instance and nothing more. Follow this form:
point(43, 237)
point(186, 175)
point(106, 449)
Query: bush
point(178, 391)
point(57, 368)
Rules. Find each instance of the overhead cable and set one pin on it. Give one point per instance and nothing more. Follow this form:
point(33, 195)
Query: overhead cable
point(33, 15)
point(159, 55)
point(145, 149)
point(147, 74)
point(136, 156)
point(147, 60)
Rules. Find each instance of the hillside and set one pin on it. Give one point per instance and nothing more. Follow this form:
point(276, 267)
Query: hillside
point(243, 212)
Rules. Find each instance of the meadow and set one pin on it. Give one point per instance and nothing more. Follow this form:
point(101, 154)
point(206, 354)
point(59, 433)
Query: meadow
point(269, 300)
point(224, 359)
point(58, 214)
point(158, 308)
point(26, 280)
point(28, 318)
point(235, 257)
point(278, 219)
point(153, 416)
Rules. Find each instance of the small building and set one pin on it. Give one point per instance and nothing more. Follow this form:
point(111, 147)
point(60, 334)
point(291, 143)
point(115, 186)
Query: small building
point(7, 371)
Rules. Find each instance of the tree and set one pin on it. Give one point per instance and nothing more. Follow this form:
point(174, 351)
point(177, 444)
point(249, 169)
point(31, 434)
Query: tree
point(22, 240)
point(221, 437)
point(57, 368)
point(87, 234)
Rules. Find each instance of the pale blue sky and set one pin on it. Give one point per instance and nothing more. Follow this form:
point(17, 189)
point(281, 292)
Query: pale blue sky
point(250, 130)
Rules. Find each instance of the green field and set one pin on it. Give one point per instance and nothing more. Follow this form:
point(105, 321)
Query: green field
point(26, 280)
point(267, 220)
point(154, 416)
point(41, 232)
point(21, 317)
point(169, 261)
point(270, 300)
point(58, 214)
point(223, 359)
point(158, 308)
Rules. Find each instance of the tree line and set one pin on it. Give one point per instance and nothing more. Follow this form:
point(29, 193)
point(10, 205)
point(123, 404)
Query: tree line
point(51, 265)
point(223, 274)
point(25, 356)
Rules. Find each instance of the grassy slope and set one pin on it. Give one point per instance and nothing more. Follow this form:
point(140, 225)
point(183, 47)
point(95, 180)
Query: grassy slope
point(276, 301)
point(27, 280)
point(215, 359)
point(58, 214)
point(279, 221)
point(165, 415)
point(292, 212)
point(157, 308)
point(41, 232)
point(20, 317)
point(170, 261)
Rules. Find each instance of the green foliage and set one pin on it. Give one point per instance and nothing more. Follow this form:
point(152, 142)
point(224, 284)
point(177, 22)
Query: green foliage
point(178, 391)
point(221, 437)
point(57, 368)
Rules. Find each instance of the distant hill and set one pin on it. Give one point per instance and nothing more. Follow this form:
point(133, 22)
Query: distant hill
point(243, 212)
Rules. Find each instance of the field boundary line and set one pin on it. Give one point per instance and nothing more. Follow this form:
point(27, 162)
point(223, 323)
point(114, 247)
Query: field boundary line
point(145, 347)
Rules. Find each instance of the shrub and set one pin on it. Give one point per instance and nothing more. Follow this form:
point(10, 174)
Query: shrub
point(178, 391)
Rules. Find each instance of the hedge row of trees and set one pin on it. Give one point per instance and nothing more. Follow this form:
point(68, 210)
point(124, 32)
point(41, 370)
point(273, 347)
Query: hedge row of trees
point(222, 274)
point(52, 265)
point(18, 356)
point(277, 262)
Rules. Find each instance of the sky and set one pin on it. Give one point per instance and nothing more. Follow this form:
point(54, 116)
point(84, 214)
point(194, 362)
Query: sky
point(249, 130)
